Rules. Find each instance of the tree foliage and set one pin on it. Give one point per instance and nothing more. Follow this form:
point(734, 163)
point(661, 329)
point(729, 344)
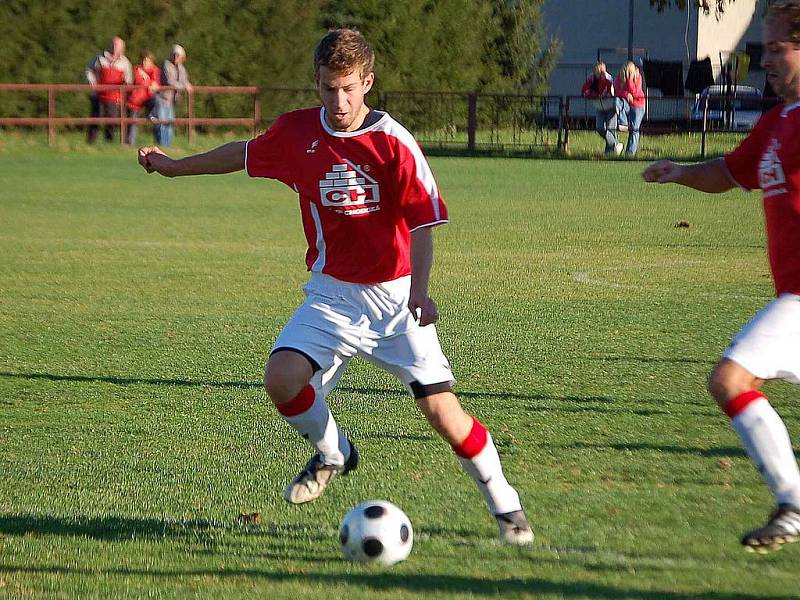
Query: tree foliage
point(483, 45)
point(718, 6)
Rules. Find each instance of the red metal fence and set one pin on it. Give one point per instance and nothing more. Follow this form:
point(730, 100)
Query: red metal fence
point(52, 121)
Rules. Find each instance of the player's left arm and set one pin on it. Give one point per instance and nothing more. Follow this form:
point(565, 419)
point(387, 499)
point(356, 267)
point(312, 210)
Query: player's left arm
point(222, 159)
point(420, 303)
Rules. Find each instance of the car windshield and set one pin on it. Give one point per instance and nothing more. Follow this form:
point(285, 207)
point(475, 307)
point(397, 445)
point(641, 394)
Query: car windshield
point(752, 103)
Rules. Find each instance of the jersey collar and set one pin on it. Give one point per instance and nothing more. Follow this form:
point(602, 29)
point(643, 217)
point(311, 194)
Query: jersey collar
point(346, 134)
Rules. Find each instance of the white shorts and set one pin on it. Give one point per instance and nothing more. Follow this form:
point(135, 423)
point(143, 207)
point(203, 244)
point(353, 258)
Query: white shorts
point(341, 320)
point(769, 344)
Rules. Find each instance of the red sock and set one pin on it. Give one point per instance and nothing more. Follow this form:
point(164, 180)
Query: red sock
point(740, 402)
point(299, 404)
point(474, 442)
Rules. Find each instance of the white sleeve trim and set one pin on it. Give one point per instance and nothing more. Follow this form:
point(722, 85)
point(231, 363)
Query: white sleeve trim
point(246, 146)
point(431, 224)
point(423, 169)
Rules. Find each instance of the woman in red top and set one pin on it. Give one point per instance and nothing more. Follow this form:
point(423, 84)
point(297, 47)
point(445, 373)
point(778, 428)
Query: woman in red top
point(147, 75)
point(628, 86)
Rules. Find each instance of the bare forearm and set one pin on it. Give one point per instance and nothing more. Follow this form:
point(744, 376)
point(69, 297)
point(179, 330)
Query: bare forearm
point(711, 176)
point(223, 159)
point(421, 259)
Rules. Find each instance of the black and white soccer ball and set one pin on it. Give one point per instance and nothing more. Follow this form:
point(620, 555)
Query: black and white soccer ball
point(376, 531)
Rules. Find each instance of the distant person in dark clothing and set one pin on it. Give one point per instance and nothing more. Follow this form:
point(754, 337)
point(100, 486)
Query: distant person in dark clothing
point(111, 67)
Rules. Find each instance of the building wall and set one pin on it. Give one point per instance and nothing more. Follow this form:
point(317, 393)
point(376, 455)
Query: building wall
point(583, 26)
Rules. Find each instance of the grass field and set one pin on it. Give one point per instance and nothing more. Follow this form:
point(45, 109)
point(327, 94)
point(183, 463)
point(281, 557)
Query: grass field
point(136, 313)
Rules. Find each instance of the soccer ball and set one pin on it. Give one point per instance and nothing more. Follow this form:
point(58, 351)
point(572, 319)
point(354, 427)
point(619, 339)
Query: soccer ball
point(376, 531)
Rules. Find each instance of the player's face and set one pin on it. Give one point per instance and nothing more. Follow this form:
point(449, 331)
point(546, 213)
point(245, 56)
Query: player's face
point(342, 96)
point(781, 60)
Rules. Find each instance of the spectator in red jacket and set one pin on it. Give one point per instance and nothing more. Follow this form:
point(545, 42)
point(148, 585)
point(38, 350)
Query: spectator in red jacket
point(600, 89)
point(111, 67)
point(628, 87)
point(142, 99)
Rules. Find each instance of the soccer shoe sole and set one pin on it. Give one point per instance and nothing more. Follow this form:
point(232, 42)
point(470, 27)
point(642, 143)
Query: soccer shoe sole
point(775, 544)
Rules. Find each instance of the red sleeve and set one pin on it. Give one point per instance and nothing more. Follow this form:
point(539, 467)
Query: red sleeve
point(421, 205)
point(267, 155)
point(586, 90)
point(743, 161)
point(619, 89)
point(638, 92)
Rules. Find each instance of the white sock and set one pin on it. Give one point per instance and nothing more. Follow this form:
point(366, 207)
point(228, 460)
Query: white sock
point(767, 443)
point(482, 462)
point(317, 425)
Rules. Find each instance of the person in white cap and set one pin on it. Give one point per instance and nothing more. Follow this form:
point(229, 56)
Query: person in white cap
point(175, 76)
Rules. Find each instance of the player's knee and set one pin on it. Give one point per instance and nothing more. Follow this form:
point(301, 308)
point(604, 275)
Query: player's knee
point(728, 380)
point(283, 380)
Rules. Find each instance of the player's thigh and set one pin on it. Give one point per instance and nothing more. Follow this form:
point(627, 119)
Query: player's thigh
point(768, 346)
point(416, 358)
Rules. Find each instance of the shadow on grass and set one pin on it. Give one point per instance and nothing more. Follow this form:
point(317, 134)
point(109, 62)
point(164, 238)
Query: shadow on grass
point(407, 582)
point(727, 451)
point(569, 403)
point(111, 528)
point(398, 392)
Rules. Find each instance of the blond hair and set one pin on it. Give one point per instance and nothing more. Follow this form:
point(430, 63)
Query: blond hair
point(344, 51)
point(628, 72)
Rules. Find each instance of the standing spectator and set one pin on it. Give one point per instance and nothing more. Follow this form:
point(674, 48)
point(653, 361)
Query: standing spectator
point(628, 87)
point(767, 347)
point(600, 89)
point(144, 74)
point(111, 67)
point(368, 202)
point(174, 75)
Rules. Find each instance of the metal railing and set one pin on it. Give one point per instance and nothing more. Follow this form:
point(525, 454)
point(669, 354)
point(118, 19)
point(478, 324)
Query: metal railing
point(442, 122)
point(52, 121)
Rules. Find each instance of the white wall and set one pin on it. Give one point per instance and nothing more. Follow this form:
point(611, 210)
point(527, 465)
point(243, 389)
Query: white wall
point(583, 26)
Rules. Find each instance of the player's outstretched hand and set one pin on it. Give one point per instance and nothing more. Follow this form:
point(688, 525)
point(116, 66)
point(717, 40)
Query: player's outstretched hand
point(423, 308)
point(153, 159)
point(662, 171)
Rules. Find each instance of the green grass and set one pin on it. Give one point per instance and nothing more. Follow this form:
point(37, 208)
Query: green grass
point(136, 313)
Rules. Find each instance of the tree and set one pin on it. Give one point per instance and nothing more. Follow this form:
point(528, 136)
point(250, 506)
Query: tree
point(706, 5)
point(523, 56)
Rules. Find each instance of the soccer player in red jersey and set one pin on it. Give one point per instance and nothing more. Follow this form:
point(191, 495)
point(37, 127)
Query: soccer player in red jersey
point(368, 204)
point(768, 347)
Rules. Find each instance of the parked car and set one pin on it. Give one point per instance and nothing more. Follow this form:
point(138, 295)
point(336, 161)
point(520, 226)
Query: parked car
point(739, 111)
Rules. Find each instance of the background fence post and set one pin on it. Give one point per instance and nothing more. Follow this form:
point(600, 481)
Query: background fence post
point(51, 113)
point(190, 110)
point(123, 126)
point(472, 119)
point(256, 112)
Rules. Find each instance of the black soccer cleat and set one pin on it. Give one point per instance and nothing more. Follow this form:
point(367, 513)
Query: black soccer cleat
point(315, 477)
point(783, 527)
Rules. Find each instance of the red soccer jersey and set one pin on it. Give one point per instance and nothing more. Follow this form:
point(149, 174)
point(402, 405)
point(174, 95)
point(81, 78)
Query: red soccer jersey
point(769, 159)
point(361, 192)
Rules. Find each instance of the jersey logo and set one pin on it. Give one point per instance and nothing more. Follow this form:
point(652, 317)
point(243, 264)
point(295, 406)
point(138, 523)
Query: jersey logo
point(771, 178)
point(349, 190)
point(313, 147)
